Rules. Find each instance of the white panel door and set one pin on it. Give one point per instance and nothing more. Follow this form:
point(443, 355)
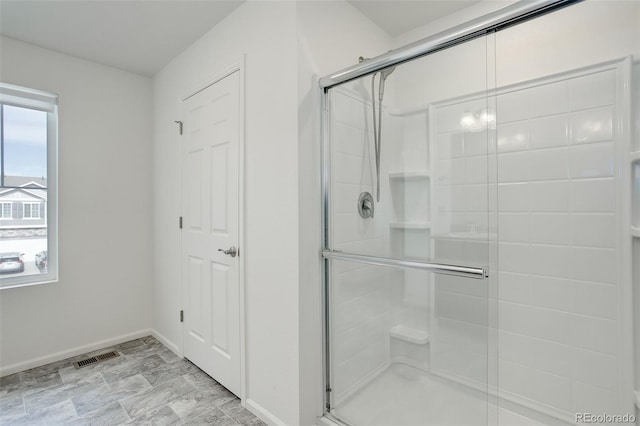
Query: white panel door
point(210, 278)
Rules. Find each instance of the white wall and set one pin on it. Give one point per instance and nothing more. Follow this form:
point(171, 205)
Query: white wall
point(266, 33)
point(104, 212)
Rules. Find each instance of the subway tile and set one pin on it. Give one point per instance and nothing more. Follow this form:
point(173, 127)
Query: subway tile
point(448, 118)
point(594, 368)
point(475, 143)
point(450, 145)
point(477, 198)
point(460, 285)
point(539, 354)
point(548, 99)
point(593, 196)
point(593, 125)
point(449, 249)
point(548, 164)
point(537, 385)
point(515, 258)
point(536, 322)
point(595, 334)
point(514, 197)
point(592, 399)
point(345, 196)
point(352, 169)
point(592, 90)
point(551, 293)
point(445, 198)
point(594, 264)
point(592, 160)
point(346, 109)
point(515, 287)
point(595, 299)
point(552, 261)
point(593, 230)
point(514, 167)
point(476, 170)
point(458, 198)
point(549, 228)
point(513, 137)
point(512, 106)
point(549, 132)
point(550, 196)
point(350, 140)
point(460, 307)
point(514, 227)
point(444, 172)
point(477, 252)
point(458, 171)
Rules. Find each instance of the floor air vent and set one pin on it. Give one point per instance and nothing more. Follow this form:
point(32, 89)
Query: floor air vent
point(94, 359)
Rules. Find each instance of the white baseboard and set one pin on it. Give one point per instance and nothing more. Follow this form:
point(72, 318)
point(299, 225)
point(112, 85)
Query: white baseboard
point(165, 341)
point(262, 413)
point(79, 350)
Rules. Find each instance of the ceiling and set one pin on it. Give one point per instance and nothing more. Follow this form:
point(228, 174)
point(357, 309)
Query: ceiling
point(399, 16)
point(142, 36)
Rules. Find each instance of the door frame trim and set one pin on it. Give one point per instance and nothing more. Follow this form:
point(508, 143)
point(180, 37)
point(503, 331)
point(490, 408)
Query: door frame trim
point(236, 65)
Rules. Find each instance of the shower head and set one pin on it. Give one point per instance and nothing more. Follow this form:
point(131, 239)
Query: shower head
point(386, 72)
point(383, 76)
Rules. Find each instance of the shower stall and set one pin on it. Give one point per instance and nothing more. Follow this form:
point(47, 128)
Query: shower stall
point(479, 246)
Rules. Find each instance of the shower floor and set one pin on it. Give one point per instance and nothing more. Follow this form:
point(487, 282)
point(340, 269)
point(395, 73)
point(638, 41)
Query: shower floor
point(406, 396)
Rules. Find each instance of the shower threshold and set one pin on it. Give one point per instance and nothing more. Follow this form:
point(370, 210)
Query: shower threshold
point(402, 395)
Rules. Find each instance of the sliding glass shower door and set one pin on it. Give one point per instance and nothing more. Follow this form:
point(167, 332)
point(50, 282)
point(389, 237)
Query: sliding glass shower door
point(408, 238)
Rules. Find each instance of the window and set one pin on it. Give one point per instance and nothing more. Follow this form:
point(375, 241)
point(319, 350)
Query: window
point(28, 186)
point(31, 211)
point(6, 210)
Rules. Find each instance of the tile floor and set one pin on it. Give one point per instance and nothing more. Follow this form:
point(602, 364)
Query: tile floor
point(146, 385)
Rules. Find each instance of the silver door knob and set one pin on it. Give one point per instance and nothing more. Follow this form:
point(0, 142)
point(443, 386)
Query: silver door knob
point(231, 252)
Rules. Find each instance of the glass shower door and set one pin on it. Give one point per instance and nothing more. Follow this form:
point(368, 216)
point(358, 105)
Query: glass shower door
point(408, 312)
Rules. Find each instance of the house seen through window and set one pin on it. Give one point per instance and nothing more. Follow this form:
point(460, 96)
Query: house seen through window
point(28, 165)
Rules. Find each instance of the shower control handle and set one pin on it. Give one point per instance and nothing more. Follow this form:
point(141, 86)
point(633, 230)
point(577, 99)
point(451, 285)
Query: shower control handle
point(365, 205)
point(231, 252)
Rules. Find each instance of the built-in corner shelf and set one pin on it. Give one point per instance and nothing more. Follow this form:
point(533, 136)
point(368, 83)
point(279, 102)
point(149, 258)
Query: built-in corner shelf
point(417, 175)
point(635, 157)
point(635, 232)
point(410, 335)
point(410, 225)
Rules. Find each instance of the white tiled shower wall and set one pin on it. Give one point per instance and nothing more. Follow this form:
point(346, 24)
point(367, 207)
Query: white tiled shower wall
point(558, 216)
point(460, 330)
point(360, 293)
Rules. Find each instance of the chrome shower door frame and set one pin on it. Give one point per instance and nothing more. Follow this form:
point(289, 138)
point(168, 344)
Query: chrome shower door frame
point(508, 16)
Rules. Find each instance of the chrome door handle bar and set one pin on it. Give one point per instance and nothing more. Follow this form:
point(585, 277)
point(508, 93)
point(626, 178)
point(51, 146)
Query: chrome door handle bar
point(437, 268)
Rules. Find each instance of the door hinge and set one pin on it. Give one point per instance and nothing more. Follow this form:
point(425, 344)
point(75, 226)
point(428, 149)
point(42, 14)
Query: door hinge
point(181, 316)
point(180, 222)
point(179, 125)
